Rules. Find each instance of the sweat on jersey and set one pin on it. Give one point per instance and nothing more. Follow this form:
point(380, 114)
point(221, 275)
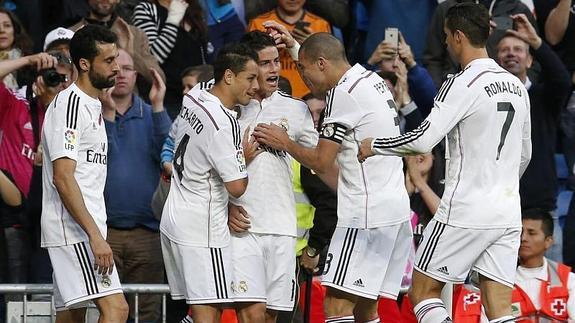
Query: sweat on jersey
point(208, 154)
point(484, 111)
point(74, 129)
point(269, 198)
point(370, 194)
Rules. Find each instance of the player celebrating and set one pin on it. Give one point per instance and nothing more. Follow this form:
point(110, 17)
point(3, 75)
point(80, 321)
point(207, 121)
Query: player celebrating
point(264, 257)
point(370, 246)
point(73, 221)
point(208, 165)
point(484, 111)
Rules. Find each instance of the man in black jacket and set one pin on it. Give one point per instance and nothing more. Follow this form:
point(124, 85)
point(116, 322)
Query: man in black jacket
point(538, 186)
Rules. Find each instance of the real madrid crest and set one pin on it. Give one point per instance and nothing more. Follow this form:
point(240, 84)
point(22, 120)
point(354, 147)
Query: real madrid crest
point(243, 286)
point(328, 131)
point(284, 124)
point(106, 281)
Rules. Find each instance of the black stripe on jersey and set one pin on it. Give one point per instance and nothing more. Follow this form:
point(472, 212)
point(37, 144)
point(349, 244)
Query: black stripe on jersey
point(329, 99)
point(72, 110)
point(425, 265)
point(340, 262)
point(90, 267)
point(236, 133)
point(358, 80)
point(403, 139)
point(430, 246)
point(444, 90)
point(205, 110)
point(83, 267)
point(427, 245)
point(348, 258)
point(333, 131)
point(286, 95)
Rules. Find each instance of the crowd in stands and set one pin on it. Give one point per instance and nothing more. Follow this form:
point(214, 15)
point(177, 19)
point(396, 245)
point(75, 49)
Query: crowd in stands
point(166, 48)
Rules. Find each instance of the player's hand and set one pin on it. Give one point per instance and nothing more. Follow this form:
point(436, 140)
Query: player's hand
point(168, 168)
point(157, 92)
point(272, 136)
point(301, 34)
point(108, 104)
point(104, 259)
point(250, 146)
point(38, 156)
point(238, 218)
point(308, 263)
point(383, 51)
point(365, 150)
point(280, 34)
point(525, 31)
point(42, 61)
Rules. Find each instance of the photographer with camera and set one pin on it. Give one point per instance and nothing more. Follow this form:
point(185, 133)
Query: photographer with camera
point(21, 118)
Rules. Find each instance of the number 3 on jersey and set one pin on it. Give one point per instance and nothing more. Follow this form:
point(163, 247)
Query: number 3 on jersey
point(508, 108)
point(179, 156)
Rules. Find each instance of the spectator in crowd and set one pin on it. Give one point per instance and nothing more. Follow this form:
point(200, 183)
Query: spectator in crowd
point(14, 43)
point(58, 40)
point(399, 14)
point(130, 38)
point(136, 131)
point(419, 84)
point(196, 74)
point(435, 56)
point(178, 38)
point(301, 24)
point(21, 119)
point(538, 186)
point(224, 24)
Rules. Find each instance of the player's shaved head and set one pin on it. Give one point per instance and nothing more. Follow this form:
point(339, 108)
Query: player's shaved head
point(322, 45)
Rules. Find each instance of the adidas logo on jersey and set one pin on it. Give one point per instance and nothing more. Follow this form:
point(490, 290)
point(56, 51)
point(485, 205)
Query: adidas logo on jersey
point(443, 270)
point(358, 283)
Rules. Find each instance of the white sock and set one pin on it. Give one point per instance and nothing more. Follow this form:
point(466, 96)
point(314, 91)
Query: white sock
point(340, 319)
point(504, 319)
point(187, 319)
point(376, 320)
point(431, 310)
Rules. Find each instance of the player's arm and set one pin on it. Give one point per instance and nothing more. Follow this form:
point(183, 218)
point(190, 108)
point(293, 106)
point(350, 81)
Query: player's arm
point(40, 61)
point(71, 197)
point(450, 106)
point(237, 188)
point(227, 157)
point(526, 140)
point(9, 193)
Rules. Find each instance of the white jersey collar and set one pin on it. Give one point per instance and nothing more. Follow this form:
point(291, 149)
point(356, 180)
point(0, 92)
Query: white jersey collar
point(354, 70)
point(480, 61)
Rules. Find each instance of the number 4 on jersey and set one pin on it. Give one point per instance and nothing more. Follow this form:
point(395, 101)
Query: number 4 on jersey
point(179, 156)
point(505, 107)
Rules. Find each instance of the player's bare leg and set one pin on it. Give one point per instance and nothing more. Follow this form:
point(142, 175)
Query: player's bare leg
point(496, 299)
point(366, 310)
point(113, 308)
point(271, 316)
point(338, 304)
point(251, 312)
point(424, 294)
point(206, 313)
point(77, 315)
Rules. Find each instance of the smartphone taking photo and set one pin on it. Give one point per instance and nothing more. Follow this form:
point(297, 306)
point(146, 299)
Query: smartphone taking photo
point(392, 36)
point(503, 23)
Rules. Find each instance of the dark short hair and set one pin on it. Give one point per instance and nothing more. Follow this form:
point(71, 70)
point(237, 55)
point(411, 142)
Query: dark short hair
point(205, 72)
point(472, 20)
point(258, 40)
point(323, 45)
point(540, 215)
point(85, 41)
point(234, 57)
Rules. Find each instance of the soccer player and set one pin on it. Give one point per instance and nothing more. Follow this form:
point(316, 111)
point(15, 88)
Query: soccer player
point(75, 150)
point(484, 111)
point(264, 257)
point(208, 165)
point(370, 246)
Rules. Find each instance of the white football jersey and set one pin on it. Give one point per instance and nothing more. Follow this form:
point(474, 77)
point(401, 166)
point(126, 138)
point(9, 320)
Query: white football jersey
point(208, 154)
point(370, 194)
point(484, 111)
point(73, 128)
point(269, 198)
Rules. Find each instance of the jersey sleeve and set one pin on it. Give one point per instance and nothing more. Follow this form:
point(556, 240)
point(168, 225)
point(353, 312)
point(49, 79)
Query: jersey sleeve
point(342, 113)
point(226, 153)
point(67, 125)
point(309, 136)
point(451, 105)
point(526, 140)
